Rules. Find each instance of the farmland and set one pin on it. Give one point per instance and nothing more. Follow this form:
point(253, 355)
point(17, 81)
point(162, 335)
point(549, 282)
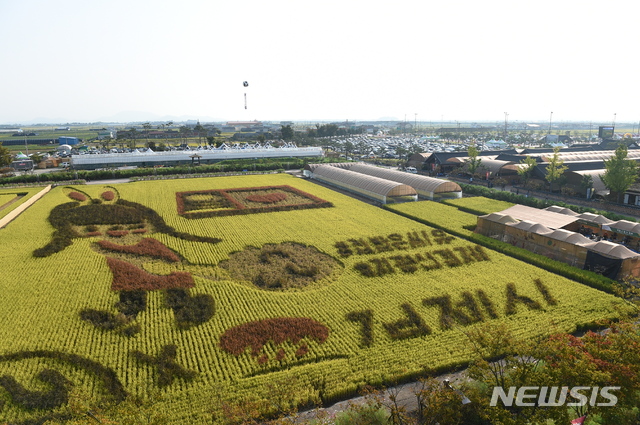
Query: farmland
point(195, 290)
point(11, 199)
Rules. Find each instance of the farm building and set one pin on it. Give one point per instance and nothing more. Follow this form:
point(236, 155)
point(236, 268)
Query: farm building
point(64, 140)
point(587, 241)
point(425, 187)
point(148, 158)
point(371, 187)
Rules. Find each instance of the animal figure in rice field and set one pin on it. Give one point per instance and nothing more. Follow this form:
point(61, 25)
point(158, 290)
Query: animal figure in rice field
point(125, 227)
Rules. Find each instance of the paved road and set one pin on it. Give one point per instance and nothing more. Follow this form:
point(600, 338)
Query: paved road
point(405, 396)
point(111, 181)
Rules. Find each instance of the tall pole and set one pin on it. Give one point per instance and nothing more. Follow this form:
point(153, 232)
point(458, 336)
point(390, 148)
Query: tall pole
point(506, 116)
point(550, 118)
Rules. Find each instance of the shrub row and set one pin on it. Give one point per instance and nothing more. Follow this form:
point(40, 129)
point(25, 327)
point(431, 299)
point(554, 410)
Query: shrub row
point(225, 166)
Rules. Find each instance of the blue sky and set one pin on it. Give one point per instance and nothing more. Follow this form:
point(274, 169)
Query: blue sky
point(85, 61)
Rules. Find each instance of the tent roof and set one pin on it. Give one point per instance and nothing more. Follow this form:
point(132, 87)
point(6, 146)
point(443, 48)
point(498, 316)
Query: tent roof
point(550, 219)
point(531, 227)
point(499, 218)
point(631, 226)
point(561, 210)
point(594, 218)
point(612, 249)
point(372, 184)
point(561, 234)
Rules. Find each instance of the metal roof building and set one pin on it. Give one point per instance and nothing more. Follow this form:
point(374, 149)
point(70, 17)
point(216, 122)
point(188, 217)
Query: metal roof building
point(149, 158)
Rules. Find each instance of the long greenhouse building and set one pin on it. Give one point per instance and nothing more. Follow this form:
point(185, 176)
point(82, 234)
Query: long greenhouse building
point(149, 158)
point(380, 184)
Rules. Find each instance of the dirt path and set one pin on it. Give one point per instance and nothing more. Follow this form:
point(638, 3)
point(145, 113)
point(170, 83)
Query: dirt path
point(11, 202)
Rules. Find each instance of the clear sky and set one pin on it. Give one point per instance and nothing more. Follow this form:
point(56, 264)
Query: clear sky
point(307, 60)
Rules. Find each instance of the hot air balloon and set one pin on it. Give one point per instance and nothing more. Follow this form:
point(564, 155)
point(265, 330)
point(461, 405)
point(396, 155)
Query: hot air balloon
point(245, 84)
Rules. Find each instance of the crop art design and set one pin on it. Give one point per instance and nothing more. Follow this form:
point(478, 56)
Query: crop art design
point(278, 331)
point(280, 267)
point(125, 226)
point(108, 215)
point(225, 309)
point(248, 200)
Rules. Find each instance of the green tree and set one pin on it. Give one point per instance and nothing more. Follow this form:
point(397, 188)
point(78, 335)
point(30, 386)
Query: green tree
point(620, 172)
point(147, 127)
point(287, 132)
point(555, 168)
point(200, 130)
point(36, 158)
point(525, 171)
point(184, 132)
point(348, 147)
point(5, 156)
point(472, 163)
point(586, 183)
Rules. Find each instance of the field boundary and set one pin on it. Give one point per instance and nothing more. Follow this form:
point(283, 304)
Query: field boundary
point(13, 214)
